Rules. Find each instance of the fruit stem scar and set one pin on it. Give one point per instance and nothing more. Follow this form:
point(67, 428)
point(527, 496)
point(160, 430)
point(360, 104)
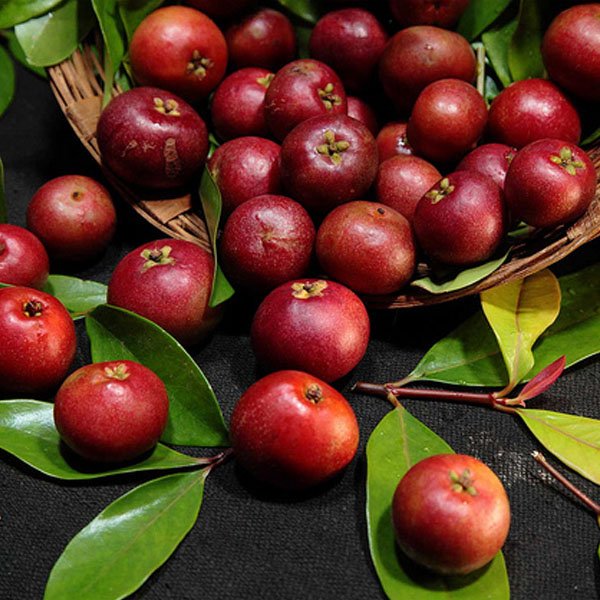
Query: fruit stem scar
point(436, 194)
point(565, 160)
point(314, 393)
point(463, 482)
point(265, 81)
point(119, 371)
point(308, 289)
point(33, 308)
point(332, 148)
point(167, 107)
point(76, 195)
point(328, 98)
point(198, 65)
point(155, 257)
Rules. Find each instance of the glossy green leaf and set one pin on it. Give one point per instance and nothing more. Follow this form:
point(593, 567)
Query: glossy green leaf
point(27, 431)
point(497, 42)
point(13, 12)
point(195, 418)
point(3, 211)
point(490, 89)
point(524, 52)
point(480, 14)
point(116, 552)
point(572, 439)
point(133, 12)
point(19, 55)
point(591, 138)
point(79, 296)
point(396, 444)
point(308, 10)
point(7, 80)
point(49, 39)
point(518, 313)
point(210, 197)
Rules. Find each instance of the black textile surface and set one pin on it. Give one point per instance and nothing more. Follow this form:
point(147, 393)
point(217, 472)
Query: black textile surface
point(251, 544)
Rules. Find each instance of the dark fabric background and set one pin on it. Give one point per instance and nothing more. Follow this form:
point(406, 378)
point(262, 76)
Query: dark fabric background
point(249, 543)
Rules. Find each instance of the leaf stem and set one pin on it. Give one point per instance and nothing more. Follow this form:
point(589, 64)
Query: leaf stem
point(481, 69)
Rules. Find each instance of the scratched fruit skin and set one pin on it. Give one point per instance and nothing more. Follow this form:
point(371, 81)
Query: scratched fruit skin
point(152, 138)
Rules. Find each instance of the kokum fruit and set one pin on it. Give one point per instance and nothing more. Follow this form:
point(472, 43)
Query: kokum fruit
point(441, 13)
point(391, 140)
point(23, 258)
point(358, 109)
point(293, 431)
point(450, 514)
point(492, 160)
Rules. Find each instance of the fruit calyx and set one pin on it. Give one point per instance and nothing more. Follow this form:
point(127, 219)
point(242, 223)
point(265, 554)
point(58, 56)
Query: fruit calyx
point(33, 308)
point(309, 289)
point(314, 393)
point(167, 107)
point(119, 371)
point(332, 148)
point(328, 98)
point(463, 482)
point(155, 257)
point(77, 195)
point(565, 160)
point(198, 65)
point(437, 194)
point(266, 80)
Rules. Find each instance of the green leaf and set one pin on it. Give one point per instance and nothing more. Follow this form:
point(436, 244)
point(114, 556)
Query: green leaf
point(133, 12)
point(308, 10)
point(303, 34)
point(27, 431)
point(116, 552)
point(572, 439)
point(7, 80)
point(195, 418)
point(496, 42)
point(490, 89)
point(396, 444)
point(3, 212)
point(13, 12)
point(590, 139)
point(457, 281)
point(480, 14)
point(19, 55)
point(524, 53)
point(519, 312)
point(210, 197)
point(78, 295)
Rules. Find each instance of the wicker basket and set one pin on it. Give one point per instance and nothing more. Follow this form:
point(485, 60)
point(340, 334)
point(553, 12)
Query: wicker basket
point(78, 86)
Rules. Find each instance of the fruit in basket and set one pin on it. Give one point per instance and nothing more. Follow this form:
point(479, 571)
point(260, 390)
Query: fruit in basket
point(358, 109)
point(328, 160)
point(461, 220)
point(37, 341)
point(321, 443)
point(23, 258)
point(367, 246)
point(169, 282)
point(441, 13)
point(450, 514)
point(492, 160)
point(111, 411)
point(530, 110)
point(74, 216)
point(221, 9)
point(179, 49)
point(550, 182)
point(312, 325)
point(152, 138)
point(267, 241)
point(571, 50)
point(391, 140)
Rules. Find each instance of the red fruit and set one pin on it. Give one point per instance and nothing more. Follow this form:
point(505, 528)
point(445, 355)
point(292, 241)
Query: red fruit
point(451, 514)
point(350, 41)
point(442, 13)
point(461, 220)
point(448, 118)
point(418, 56)
point(169, 282)
point(23, 258)
point(267, 241)
point(367, 246)
point(492, 160)
point(37, 341)
point(311, 325)
point(74, 216)
point(361, 111)
point(530, 110)
point(179, 49)
point(111, 411)
point(402, 180)
point(244, 168)
point(238, 106)
point(571, 50)
point(391, 140)
point(293, 431)
point(221, 9)
point(152, 138)
point(265, 39)
point(302, 89)
point(550, 182)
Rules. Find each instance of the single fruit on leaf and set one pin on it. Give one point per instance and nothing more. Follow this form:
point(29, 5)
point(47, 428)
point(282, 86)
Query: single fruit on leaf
point(492, 160)
point(450, 514)
point(441, 13)
point(358, 109)
point(391, 140)
point(169, 282)
point(550, 182)
point(221, 9)
point(152, 138)
point(23, 258)
point(312, 325)
point(293, 431)
point(37, 341)
point(111, 411)
point(74, 216)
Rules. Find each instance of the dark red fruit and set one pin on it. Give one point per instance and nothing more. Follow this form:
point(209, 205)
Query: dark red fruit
point(550, 182)
point(492, 160)
point(293, 431)
point(313, 325)
point(74, 216)
point(302, 89)
point(23, 258)
point(571, 50)
point(402, 180)
point(391, 140)
point(451, 514)
point(265, 39)
point(418, 56)
point(244, 168)
point(152, 138)
point(238, 106)
point(441, 13)
point(37, 341)
point(367, 246)
point(328, 160)
point(350, 41)
point(221, 9)
point(461, 220)
point(179, 49)
point(169, 282)
point(361, 111)
point(111, 411)
point(448, 118)
point(267, 241)
point(530, 110)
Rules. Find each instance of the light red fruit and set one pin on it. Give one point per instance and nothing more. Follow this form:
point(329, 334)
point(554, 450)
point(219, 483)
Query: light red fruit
point(492, 160)
point(391, 140)
point(358, 109)
point(441, 13)
point(23, 258)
